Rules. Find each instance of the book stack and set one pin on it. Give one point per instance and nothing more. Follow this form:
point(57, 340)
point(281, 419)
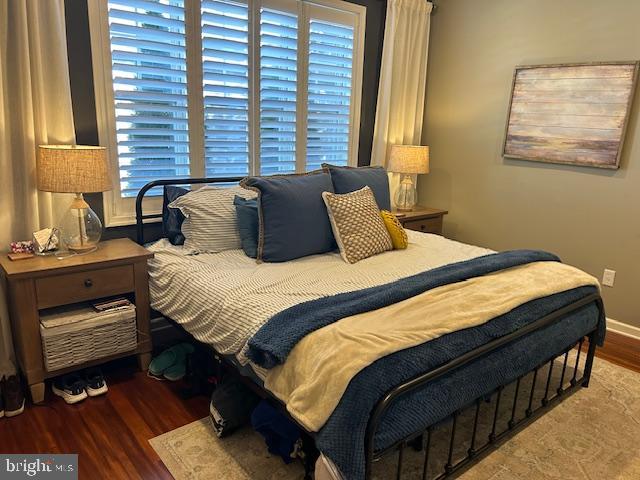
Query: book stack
point(113, 304)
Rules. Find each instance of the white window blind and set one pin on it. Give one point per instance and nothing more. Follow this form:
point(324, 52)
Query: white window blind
point(194, 88)
point(225, 58)
point(278, 86)
point(148, 52)
point(328, 115)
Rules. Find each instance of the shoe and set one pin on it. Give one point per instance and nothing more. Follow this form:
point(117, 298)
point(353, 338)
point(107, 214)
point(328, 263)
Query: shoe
point(70, 388)
point(178, 370)
point(13, 396)
point(94, 382)
point(171, 364)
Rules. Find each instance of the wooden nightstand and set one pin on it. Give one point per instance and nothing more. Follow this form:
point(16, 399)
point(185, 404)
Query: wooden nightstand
point(118, 267)
point(422, 219)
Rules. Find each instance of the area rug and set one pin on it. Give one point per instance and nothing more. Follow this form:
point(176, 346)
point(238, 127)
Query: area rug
point(594, 434)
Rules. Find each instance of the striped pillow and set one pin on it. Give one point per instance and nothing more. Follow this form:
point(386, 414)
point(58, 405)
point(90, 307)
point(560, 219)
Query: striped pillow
point(210, 224)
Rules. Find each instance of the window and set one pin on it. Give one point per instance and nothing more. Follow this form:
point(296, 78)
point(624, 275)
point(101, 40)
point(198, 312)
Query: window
point(330, 67)
point(225, 91)
point(278, 91)
point(149, 76)
point(218, 88)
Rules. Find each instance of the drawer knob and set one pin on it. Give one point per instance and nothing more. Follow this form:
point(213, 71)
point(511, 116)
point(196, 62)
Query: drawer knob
point(88, 283)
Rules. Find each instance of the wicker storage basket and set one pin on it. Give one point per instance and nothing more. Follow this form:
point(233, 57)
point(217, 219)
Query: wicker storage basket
point(72, 337)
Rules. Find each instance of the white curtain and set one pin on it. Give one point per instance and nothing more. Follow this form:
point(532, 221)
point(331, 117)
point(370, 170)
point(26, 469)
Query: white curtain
point(403, 78)
point(35, 108)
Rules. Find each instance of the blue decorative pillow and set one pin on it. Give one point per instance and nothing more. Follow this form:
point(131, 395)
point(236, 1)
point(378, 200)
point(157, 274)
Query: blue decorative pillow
point(248, 224)
point(172, 218)
point(350, 179)
point(293, 217)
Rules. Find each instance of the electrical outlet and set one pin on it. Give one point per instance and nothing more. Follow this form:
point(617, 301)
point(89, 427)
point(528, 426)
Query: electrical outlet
point(608, 277)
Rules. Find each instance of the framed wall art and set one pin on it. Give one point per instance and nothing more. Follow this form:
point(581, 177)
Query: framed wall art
point(571, 113)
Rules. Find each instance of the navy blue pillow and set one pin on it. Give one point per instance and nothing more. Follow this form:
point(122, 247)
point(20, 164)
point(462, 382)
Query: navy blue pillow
point(172, 218)
point(293, 217)
point(350, 179)
point(248, 224)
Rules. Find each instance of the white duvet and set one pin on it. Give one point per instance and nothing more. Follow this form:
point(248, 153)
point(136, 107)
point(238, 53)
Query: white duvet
point(222, 299)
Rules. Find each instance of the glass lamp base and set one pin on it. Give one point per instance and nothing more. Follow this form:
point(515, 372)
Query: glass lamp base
point(83, 248)
point(80, 228)
point(48, 253)
point(406, 196)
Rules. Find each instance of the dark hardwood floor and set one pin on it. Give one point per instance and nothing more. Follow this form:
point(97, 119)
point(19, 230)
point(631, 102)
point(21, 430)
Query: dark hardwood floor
point(111, 433)
point(621, 350)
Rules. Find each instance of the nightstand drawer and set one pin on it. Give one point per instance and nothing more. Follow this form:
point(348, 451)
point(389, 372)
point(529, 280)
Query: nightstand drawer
point(428, 225)
point(77, 287)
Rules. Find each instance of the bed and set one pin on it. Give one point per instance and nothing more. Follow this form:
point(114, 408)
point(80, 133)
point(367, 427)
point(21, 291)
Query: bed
point(228, 302)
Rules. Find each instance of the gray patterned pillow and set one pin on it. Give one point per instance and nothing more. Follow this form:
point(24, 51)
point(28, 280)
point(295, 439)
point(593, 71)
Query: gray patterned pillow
point(357, 224)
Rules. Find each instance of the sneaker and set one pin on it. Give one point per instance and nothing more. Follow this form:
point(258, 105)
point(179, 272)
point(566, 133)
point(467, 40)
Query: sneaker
point(94, 382)
point(13, 396)
point(70, 388)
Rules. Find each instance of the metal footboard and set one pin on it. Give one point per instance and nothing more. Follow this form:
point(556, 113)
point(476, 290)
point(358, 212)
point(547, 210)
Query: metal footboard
point(568, 382)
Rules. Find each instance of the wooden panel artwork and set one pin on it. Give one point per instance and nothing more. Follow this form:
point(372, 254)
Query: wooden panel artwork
point(572, 114)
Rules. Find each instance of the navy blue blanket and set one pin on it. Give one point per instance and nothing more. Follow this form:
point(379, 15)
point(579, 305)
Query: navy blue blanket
point(271, 345)
point(342, 437)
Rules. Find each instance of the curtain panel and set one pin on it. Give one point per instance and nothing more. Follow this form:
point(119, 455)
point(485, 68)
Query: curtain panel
point(403, 79)
point(35, 109)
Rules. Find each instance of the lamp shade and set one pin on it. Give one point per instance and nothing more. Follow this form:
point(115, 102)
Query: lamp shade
point(73, 169)
point(409, 159)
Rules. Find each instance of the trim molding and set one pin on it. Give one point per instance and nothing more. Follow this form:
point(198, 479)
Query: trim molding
point(622, 345)
point(623, 328)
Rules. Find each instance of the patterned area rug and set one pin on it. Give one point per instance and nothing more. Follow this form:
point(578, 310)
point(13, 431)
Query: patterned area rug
point(594, 434)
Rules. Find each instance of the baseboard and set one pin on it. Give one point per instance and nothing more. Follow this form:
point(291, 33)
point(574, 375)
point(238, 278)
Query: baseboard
point(622, 345)
point(623, 329)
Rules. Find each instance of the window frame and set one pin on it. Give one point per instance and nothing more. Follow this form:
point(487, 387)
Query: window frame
point(119, 211)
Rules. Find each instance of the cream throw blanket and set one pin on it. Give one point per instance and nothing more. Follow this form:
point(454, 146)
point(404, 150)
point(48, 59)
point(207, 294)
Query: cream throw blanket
point(320, 367)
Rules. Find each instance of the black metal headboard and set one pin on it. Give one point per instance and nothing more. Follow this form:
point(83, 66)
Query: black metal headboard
point(140, 218)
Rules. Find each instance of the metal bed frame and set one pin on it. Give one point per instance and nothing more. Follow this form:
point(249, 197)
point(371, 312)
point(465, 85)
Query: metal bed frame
point(421, 440)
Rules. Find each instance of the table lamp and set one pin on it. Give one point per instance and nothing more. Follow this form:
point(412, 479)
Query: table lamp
point(75, 169)
point(408, 160)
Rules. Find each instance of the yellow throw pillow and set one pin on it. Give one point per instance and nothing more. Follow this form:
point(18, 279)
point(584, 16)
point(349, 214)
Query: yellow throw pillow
point(396, 232)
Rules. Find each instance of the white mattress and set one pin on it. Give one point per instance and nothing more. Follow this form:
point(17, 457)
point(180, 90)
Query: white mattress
point(222, 299)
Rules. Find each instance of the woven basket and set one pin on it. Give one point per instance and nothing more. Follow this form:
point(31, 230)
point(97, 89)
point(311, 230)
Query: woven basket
point(76, 336)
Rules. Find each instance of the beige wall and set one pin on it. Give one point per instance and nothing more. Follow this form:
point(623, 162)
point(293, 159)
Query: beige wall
point(590, 217)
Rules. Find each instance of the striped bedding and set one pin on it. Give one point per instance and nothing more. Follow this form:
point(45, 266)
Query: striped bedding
point(210, 209)
point(222, 299)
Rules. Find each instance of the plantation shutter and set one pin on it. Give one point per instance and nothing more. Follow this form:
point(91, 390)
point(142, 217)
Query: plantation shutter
point(330, 70)
point(278, 87)
point(148, 52)
point(223, 88)
point(225, 65)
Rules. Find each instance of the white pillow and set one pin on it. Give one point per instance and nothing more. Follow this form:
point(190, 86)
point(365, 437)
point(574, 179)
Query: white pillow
point(210, 224)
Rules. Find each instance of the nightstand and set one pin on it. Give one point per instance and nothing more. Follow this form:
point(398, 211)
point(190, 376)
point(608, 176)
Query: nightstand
point(422, 219)
point(118, 267)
